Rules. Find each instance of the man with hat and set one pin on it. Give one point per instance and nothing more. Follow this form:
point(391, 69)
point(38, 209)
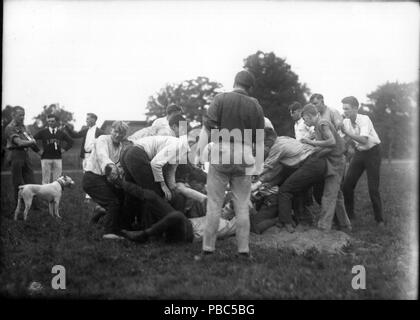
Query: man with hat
point(235, 126)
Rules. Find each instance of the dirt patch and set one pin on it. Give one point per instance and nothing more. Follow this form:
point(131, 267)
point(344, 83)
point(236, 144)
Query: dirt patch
point(303, 240)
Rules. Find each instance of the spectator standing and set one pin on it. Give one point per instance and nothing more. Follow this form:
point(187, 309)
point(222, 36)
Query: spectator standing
point(18, 142)
point(233, 112)
point(52, 142)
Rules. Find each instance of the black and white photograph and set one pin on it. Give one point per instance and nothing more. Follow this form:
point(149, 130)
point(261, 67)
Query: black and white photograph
point(209, 150)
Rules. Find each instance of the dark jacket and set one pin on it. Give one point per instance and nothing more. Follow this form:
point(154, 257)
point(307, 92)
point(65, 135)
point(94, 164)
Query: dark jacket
point(82, 134)
point(53, 143)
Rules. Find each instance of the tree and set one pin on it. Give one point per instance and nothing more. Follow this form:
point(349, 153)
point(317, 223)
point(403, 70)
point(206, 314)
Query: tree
point(277, 86)
point(393, 113)
point(41, 119)
point(193, 95)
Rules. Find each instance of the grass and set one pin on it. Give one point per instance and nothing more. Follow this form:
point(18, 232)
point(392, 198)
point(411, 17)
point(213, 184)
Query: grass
point(97, 268)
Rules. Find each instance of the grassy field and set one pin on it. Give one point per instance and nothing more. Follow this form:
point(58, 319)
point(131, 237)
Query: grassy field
point(97, 268)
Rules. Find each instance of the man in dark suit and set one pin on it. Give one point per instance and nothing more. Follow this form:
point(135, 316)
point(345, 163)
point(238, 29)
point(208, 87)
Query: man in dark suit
point(89, 133)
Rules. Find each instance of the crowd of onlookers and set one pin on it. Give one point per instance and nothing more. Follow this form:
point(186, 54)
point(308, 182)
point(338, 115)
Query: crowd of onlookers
point(153, 182)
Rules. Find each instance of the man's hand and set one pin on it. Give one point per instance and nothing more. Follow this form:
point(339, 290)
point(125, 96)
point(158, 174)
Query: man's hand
point(255, 186)
point(166, 191)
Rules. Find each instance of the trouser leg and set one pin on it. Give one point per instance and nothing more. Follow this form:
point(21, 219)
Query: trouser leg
point(216, 187)
point(17, 176)
point(46, 171)
point(241, 190)
point(354, 172)
point(175, 226)
point(107, 197)
point(57, 169)
point(373, 164)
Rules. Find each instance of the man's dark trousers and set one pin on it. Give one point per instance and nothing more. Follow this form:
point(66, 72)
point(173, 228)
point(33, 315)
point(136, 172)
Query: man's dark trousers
point(370, 161)
point(21, 169)
point(108, 197)
point(312, 171)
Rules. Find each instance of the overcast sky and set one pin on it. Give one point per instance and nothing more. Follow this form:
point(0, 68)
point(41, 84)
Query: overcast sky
point(108, 57)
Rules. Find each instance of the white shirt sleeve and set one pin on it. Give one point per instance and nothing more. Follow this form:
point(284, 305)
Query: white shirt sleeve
point(102, 152)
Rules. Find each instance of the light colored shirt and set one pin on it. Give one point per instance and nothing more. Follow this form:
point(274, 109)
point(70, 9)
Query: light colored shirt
point(163, 150)
point(103, 152)
point(52, 130)
point(161, 122)
point(363, 127)
point(302, 131)
point(90, 139)
point(285, 151)
point(267, 123)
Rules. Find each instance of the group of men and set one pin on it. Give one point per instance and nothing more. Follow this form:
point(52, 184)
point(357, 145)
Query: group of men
point(151, 184)
point(55, 141)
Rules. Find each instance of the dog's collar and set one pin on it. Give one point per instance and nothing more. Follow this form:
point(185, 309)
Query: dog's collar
point(61, 184)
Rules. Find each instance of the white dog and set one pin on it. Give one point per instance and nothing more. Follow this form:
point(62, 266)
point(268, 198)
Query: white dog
point(51, 192)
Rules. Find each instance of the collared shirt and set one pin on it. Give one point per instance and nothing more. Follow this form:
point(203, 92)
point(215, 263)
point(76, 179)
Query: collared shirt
point(52, 130)
point(285, 151)
point(14, 130)
point(163, 150)
point(161, 122)
point(302, 131)
point(103, 152)
point(90, 139)
point(237, 112)
point(363, 127)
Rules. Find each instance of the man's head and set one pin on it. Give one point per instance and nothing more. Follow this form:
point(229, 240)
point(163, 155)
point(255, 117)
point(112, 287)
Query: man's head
point(91, 119)
point(295, 110)
point(18, 114)
point(172, 110)
point(350, 107)
point(178, 124)
point(118, 131)
point(245, 80)
point(310, 115)
point(317, 100)
point(52, 121)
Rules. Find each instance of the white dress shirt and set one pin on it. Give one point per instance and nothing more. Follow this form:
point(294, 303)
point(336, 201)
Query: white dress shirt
point(103, 152)
point(303, 131)
point(90, 139)
point(363, 127)
point(161, 122)
point(163, 150)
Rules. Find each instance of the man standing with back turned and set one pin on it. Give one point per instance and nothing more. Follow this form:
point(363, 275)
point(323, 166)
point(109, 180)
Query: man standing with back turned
point(232, 113)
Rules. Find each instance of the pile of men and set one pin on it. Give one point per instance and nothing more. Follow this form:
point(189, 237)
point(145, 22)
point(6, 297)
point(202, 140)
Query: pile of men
point(151, 184)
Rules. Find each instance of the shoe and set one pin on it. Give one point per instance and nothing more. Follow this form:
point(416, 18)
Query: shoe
point(112, 236)
point(138, 236)
point(246, 256)
point(204, 256)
